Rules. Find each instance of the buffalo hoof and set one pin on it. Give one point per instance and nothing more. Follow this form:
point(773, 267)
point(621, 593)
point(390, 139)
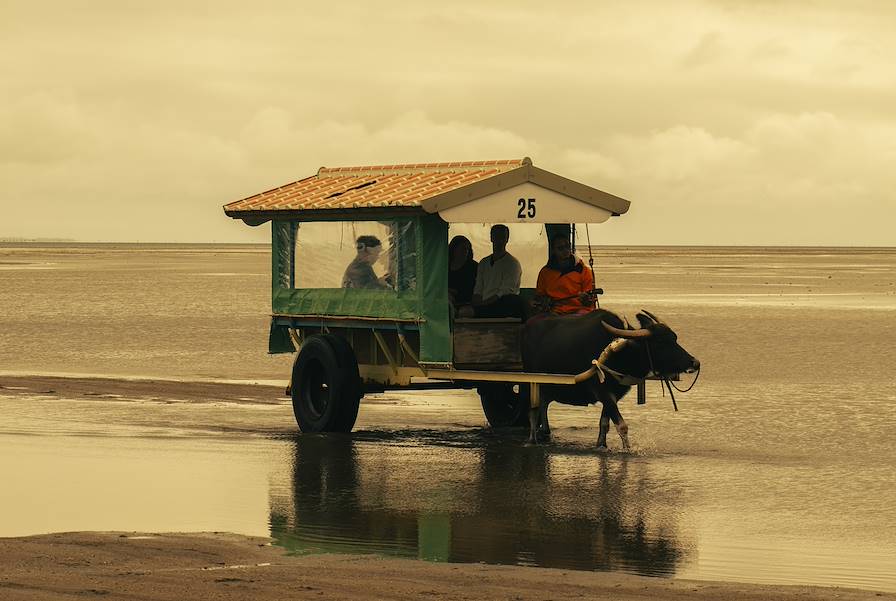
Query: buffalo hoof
point(602, 448)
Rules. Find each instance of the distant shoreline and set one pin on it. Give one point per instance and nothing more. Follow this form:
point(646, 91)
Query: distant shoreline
point(14, 240)
point(38, 242)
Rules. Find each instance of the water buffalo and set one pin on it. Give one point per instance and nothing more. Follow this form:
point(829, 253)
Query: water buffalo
point(569, 344)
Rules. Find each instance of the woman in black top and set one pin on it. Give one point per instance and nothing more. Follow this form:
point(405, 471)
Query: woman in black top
point(461, 271)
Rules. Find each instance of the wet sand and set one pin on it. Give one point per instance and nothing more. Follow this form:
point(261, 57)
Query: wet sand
point(86, 388)
point(232, 566)
point(226, 566)
point(183, 426)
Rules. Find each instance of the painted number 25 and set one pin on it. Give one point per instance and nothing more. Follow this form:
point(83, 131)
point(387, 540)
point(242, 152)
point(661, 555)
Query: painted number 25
point(527, 208)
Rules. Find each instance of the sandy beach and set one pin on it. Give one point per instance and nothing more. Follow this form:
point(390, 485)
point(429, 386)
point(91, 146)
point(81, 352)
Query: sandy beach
point(226, 566)
point(129, 407)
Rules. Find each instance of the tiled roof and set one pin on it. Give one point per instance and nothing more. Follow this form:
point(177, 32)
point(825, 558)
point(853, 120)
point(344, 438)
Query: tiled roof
point(372, 187)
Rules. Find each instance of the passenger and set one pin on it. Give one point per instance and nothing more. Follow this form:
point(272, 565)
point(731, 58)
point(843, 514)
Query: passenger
point(497, 289)
point(359, 273)
point(565, 284)
point(461, 271)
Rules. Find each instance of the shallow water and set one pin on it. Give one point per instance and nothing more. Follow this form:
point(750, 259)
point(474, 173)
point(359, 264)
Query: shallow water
point(777, 468)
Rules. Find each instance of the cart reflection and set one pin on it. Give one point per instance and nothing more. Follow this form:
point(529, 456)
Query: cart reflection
point(475, 498)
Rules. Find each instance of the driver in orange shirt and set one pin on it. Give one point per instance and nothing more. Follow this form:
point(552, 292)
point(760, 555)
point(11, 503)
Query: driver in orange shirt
point(565, 283)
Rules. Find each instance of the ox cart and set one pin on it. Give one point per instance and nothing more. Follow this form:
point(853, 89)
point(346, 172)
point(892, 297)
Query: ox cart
point(401, 332)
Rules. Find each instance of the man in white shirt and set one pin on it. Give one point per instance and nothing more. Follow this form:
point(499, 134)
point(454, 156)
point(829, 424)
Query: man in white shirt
point(497, 289)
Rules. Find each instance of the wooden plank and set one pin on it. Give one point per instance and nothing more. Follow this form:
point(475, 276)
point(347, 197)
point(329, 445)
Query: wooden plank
point(493, 376)
point(487, 341)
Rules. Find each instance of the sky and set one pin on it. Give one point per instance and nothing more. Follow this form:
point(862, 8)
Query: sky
point(723, 122)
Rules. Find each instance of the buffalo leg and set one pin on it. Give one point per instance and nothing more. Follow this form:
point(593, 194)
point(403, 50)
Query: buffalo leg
point(608, 405)
point(610, 411)
point(533, 425)
point(604, 428)
point(544, 427)
point(622, 430)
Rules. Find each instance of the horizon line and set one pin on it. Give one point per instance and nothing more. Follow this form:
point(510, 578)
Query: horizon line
point(22, 240)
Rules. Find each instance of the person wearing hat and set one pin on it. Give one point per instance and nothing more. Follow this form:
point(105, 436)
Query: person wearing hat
point(565, 284)
point(359, 273)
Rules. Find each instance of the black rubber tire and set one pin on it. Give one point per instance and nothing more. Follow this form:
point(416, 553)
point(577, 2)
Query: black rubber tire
point(326, 386)
point(505, 407)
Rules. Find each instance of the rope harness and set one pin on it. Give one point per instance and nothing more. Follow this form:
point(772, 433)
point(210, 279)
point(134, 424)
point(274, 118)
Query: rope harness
point(624, 379)
point(630, 380)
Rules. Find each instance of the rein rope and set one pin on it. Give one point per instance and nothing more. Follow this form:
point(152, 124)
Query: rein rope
point(665, 383)
point(591, 262)
point(664, 380)
point(688, 389)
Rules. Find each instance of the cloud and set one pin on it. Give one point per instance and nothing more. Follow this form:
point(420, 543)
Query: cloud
point(275, 139)
point(138, 179)
point(131, 121)
point(677, 154)
point(708, 49)
point(42, 127)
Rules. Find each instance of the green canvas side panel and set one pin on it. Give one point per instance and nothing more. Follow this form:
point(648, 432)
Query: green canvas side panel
point(279, 340)
point(282, 257)
point(432, 285)
point(286, 299)
point(283, 244)
point(341, 302)
point(426, 304)
point(275, 247)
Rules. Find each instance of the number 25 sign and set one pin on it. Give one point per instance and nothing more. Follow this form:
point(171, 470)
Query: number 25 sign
point(526, 208)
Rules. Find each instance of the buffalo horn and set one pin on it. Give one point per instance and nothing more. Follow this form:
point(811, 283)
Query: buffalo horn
point(641, 333)
point(651, 315)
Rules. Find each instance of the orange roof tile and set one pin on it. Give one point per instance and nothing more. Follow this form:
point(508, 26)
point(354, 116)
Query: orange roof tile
point(372, 187)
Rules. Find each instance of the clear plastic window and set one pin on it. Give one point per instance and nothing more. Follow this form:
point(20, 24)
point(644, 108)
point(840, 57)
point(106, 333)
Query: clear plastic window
point(527, 243)
point(364, 255)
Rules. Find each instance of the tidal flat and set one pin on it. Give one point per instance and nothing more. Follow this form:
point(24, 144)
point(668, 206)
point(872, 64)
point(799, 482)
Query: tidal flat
point(137, 395)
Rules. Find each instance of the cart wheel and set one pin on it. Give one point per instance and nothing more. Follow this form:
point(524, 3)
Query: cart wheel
point(326, 388)
point(505, 405)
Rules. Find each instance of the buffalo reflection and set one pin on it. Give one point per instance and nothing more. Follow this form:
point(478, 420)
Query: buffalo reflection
point(472, 498)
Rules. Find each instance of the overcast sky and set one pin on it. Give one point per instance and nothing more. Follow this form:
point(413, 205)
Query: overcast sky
point(724, 122)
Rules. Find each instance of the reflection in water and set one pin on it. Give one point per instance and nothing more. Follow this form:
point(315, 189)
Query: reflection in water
point(468, 497)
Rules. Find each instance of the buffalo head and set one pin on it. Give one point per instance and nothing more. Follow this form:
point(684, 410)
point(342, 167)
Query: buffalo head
point(658, 345)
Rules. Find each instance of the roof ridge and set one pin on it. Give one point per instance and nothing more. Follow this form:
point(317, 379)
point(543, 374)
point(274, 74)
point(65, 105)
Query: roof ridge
point(404, 169)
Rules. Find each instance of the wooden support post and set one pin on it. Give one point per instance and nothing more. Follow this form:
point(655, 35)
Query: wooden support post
point(392, 363)
point(407, 347)
point(295, 337)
